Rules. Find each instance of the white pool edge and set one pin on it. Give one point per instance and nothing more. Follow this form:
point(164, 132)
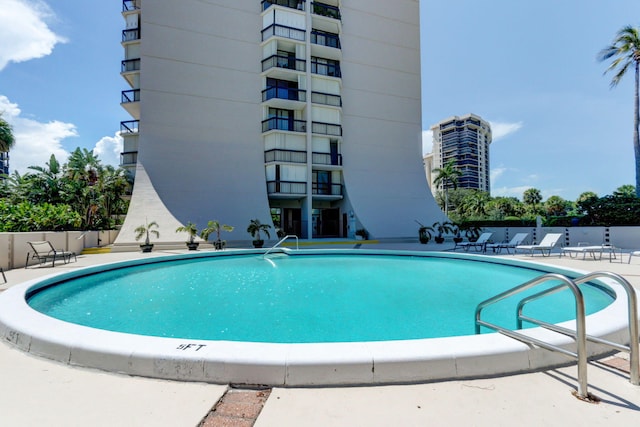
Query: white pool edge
point(323, 364)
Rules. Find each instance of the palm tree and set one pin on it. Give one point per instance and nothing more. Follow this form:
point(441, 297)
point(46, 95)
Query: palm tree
point(625, 52)
point(215, 227)
point(255, 228)
point(447, 176)
point(6, 136)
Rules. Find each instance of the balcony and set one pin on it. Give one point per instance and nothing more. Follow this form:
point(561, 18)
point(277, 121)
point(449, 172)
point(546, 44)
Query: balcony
point(331, 69)
point(130, 102)
point(128, 158)
point(326, 129)
point(129, 65)
point(276, 30)
point(326, 189)
point(284, 62)
point(327, 159)
point(130, 5)
point(285, 156)
point(129, 127)
point(286, 189)
point(130, 34)
point(326, 99)
point(284, 98)
point(323, 38)
point(293, 4)
point(323, 9)
point(283, 123)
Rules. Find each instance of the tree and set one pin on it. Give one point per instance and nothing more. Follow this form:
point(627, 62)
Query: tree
point(447, 176)
point(555, 206)
point(625, 54)
point(6, 135)
point(625, 191)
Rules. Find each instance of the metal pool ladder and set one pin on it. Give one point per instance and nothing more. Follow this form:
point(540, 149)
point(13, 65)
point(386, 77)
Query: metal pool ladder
point(280, 242)
point(579, 334)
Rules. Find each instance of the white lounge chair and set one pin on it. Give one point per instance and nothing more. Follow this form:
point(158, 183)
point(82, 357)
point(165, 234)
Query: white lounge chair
point(594, 251)
point(515, 241)
point(478, 245)
point(632, 253)
point(44, 252)
point(544, 247)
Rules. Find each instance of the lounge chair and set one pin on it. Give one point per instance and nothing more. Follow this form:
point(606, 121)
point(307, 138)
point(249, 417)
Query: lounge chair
point(478, 245)
point(3, 276)
point(44, 252)
point(544, 247)
point(515, 241)
point(632, 253)
point(594, 251)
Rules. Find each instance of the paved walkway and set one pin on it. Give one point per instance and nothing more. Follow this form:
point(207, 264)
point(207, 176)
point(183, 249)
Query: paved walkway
point(42, 392)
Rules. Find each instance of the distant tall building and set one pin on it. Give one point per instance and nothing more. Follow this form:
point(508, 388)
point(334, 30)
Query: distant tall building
point(465, 140)
point(305, 115)
point(4, 163)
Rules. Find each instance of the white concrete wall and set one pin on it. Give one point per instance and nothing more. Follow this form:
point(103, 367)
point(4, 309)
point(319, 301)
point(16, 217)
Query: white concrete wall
point(382, 127)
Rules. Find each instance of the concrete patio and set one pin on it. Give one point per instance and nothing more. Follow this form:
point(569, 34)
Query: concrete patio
point(39, 391)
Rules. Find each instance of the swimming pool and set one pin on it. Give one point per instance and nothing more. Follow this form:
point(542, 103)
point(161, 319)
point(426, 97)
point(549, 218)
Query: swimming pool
point(239, 357)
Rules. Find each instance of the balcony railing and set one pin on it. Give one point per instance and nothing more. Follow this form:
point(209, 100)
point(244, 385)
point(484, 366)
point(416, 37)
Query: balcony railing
point(326, 99)
point(324, 69)
point(130, 34)
point(326, 128)
point(282, 61)
point(334, 159)
point(129, 127)
point(325, 39)
point(129, 5)
point(293, 4)
point(130, 96)
point(286, 187)
point(129, 65)
point(326, 189)
point(280, 123)
point(284, 93)
point(282, 31)
point(286, 156)
point(128, 158)
point(325, 10)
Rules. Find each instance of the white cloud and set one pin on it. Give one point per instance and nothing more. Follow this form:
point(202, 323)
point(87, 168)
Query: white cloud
point(108, 150)
point(35, 141)
point(496, 173)
point(501, 130)
point(509, 191)
point(24, 31)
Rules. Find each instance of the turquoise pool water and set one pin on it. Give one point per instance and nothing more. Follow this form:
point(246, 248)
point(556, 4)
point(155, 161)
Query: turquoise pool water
point(301, 299)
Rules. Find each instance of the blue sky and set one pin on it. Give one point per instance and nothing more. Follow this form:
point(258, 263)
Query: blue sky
point(528, 67)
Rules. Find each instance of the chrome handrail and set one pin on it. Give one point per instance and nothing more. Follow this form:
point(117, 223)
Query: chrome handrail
point(580, 336)
point(281, 241)
point(632, 303)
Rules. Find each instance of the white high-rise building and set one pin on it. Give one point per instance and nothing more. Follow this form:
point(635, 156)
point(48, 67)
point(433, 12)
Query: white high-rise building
point(305, 115)
point(464, 140)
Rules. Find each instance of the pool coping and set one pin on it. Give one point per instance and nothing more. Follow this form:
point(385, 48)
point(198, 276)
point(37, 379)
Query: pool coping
point(295, 365)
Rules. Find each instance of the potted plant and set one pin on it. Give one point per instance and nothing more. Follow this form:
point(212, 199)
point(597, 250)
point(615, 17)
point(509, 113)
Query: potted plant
point(424, 233)
point(455, 229)
point(192, 231)
point(441, 228)
point(362, 233)
point(215, 227)
point(472, 232)
point(145, 230)
point(254, 228)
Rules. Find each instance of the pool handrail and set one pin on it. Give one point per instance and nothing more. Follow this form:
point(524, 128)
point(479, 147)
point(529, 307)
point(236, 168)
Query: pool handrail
point(632, 303)
point(580, 336)
point(280, 242)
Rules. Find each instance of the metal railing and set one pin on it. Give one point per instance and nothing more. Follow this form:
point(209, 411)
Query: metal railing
point(280, 242)
point(283, 61)
point(129, 65)
point(130, 96)
point(332, 159)
point(130, 126)
point(282, 123)
point(324, 38)
point(287, 156)
point(293, 4)
point(579, 335)
point(129, 5)
point(290, 94)
point(326, 128)
point(326, 69)
point(323, 9)
point(283, 31)
point(286, 187)
point(128, 158)
point(326, 99)
point(130, 34)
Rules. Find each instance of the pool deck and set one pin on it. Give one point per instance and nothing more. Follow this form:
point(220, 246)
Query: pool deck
point(38, 391)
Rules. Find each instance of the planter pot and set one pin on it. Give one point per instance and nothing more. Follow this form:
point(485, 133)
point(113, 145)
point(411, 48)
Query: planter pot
point(193, 245)
point(219, 244)
point(146, 247)
point(424, 240)
point(457, 239)
point(258, 243)
point(439, 239)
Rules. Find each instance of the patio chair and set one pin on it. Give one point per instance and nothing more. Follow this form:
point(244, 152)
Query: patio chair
point(478, 245)
point(632, 253)
point(515, 241)
point(3, 276)
point(544, 247)
point(44, 252)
